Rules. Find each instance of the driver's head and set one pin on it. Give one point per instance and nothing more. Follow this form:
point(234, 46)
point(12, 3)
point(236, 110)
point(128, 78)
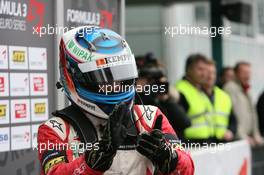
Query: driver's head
point(97, 69)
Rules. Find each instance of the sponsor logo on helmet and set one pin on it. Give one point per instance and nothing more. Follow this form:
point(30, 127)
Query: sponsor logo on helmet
point(100, 62)
point(114, 60)
point(79, 52)
point(87, 105)
point(119, 58)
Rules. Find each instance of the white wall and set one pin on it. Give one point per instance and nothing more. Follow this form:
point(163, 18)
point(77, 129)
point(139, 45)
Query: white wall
point(177, 48)
point(143, 29)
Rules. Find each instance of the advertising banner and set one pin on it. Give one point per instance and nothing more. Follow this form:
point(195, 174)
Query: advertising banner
point(28, 67)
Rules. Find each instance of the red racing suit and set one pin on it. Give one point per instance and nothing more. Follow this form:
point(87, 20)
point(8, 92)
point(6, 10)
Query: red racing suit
point(57, 131)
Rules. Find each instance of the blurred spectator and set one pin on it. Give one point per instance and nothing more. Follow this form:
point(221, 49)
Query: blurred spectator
point(260, 109)
point(194, 101)
point(227, 74)
point(243, 106)
point(221, 113)
point(152, 73)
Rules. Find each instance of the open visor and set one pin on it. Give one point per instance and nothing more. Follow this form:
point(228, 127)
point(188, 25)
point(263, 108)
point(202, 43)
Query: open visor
point(107, 70)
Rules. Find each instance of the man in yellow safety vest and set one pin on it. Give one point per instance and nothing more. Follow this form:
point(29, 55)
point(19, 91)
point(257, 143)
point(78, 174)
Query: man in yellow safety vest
point(194, 101)
point(206, 116)
point(220, 112)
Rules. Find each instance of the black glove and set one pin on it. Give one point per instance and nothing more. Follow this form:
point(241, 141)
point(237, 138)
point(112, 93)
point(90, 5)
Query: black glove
point(113, 135)
point(101, 159)
point(153, 145)
point(118, 120)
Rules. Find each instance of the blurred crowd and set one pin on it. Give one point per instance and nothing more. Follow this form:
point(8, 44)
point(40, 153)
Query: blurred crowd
point(203, 107)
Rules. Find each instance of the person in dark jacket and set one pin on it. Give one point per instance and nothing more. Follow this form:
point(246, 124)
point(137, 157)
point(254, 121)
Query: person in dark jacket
point(260, 110)
point(152, 73)
point(227, 74)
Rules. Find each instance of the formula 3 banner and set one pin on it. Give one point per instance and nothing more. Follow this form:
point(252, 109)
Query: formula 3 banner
point(27, 69)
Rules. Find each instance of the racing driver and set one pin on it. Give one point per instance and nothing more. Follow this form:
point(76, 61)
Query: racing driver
point(105, 133)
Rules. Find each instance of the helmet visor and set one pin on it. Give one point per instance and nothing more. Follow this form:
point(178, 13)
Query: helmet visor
point(106, 73)
point(116, 68)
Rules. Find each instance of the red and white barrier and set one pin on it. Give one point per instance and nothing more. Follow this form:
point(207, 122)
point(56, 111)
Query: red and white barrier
point(227, 159)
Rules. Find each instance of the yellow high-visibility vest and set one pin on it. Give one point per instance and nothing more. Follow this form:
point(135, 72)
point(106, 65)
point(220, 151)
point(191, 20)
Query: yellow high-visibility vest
point(222, 107)
point(202, 125)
